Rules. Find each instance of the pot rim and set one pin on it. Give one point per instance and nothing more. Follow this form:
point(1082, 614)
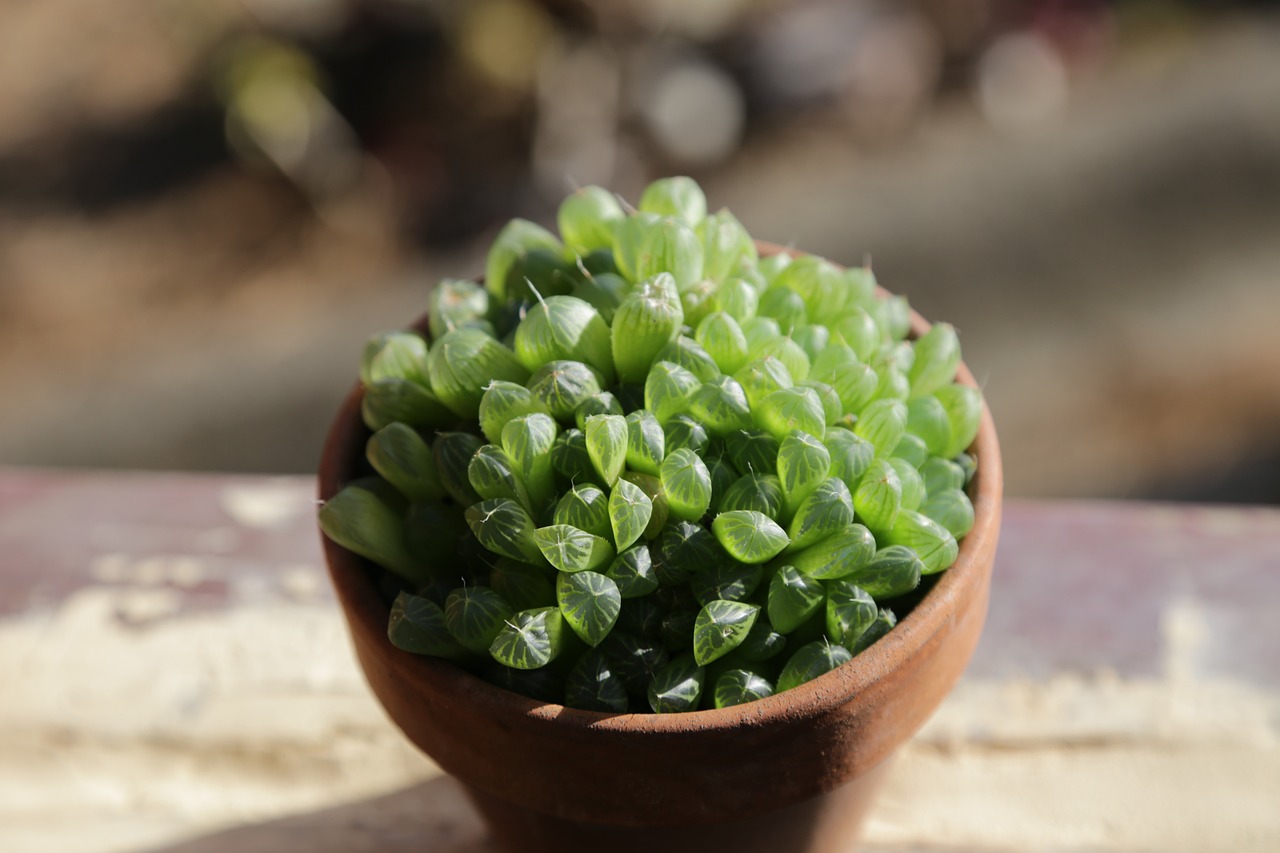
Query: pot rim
point(368, 614)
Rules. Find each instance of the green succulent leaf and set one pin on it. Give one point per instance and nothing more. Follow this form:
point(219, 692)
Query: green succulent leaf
point(883, 423)
point(646, 442)
point(839, 555)
point(603, 291)
point(697, 301)
point(686, 482)
point(632, 570)
point(587, 218)
point(850, 611)
point(502, 526)
point(760, 493)
point(689, 354)
point(963, 405)
point(603, 403)
point(893, 383)
point(388, 401)
point(366, 523)
point(667, 390)
point(937, 357)
point(854, 382)
point(530, 640)
point(737, 298)
point(752, 451)
point(456, 303)
point(785, 306)
point(404, 459)
point(572, 550)
point(492, 475)
point(721, 407)
point(811, 661)
point(569, 458)
point(928, 419)
point(818, 282)
point(932, 542)
point(728, 580)
point(952, 509)
point(677, 687)
point(670, 246)
point(885, 620)
point(585, 507)
point(628, 238)
point(563, 385)
point(790, 410)
point(861, 284)
point(651, 486)
point(649, 318)
point(592, 685)
point(502, 402)
point(912, 482)
point(758, 330)
point(788, 352)
point(372, 347)
point(720, 628)
point(911, 449)
point(827, 510)
point(453, 452)
point(590, 603)
point(813, 339)
point(417, 625)
point(629, 512)
point(723, 475)
point(878, 498)
point(722, 338)
point(894, 570)
point(941, 474)
point(832, 407)
point(762, 377)
point(564, 328)
point(678, 197)
point(749, 536)
point(859, 330)
point(607, 445)
point(508, 256)
point(463, 363)
point(474, 615)
point(395, 355)
point(522, 585)
point(763, 642)
point(793, 598)
point(725, 245)
point(803, 464)
point(528, 441)
point(683, 431)
point(634, 659)
point(739, 686)
point(683, 548)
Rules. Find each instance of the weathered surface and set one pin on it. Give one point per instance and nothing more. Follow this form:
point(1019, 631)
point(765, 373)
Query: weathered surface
point(175, 676)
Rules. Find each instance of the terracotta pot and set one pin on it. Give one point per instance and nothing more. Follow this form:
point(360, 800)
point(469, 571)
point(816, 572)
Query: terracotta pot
point(793, 772)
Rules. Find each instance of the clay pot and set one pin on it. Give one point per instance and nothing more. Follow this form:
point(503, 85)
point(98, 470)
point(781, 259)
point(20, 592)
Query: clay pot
point(793, 772)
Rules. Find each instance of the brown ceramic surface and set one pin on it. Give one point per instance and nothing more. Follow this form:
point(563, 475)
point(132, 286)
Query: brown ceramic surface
point(679, 769)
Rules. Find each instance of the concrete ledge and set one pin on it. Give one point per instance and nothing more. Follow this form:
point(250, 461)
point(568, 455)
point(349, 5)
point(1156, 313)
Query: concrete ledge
point(176, 677)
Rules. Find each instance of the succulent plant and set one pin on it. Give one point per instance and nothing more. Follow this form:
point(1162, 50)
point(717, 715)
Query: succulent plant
point(642, 468)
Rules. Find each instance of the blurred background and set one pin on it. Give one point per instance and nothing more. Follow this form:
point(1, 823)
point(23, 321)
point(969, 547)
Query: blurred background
point(206, 207)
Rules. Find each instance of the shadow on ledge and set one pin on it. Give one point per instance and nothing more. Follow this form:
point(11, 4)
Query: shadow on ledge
point(434, 815)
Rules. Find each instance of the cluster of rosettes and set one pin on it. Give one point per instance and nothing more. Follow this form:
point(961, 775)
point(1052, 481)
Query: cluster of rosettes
point(643, 468)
